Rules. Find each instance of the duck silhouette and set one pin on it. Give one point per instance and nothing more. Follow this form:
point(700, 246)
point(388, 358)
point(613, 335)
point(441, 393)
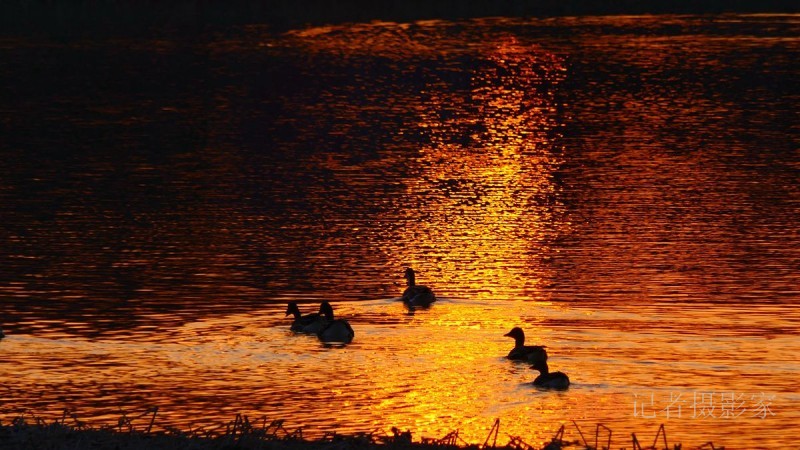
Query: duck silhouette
point(310, 323)
point(416, 295)
point(334, 330)
point(547, 379)
point(522, 352)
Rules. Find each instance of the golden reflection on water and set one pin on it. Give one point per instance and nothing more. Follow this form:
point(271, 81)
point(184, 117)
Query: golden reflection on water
point(638, 252)
point(433, 372)
point(488, 186)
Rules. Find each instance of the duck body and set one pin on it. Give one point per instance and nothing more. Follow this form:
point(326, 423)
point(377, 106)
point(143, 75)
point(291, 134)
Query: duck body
point(334, 330)
point(310, 323)
point(416, 295)
point(316, 326)
point(553, 380)
point(522, 352)
point(338, 331)
point(550, 380)
point(525, 353)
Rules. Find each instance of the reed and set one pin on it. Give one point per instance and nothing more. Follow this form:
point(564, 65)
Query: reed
point(138, 432)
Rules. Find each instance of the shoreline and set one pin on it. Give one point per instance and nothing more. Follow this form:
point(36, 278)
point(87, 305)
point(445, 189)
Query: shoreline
point(85, 18)
point(238, 434)
point(241, 434)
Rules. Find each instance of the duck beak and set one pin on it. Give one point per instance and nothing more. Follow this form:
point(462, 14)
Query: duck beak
point(508, 334)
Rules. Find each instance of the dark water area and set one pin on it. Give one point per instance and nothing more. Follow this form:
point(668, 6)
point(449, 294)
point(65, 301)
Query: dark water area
point(625, 188)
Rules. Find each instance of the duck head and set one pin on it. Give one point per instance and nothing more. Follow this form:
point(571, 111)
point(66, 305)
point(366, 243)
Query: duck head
point(326, 310)
point(293, 309)
point(517, 334)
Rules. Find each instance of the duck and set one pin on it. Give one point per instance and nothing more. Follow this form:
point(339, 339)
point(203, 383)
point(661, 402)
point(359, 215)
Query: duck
point(522, 352)
point(547, 379)
point(310, 323)
point(335, 330)
point(416, 295)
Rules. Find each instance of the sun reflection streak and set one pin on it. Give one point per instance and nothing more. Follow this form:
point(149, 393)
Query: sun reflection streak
point(478, 165)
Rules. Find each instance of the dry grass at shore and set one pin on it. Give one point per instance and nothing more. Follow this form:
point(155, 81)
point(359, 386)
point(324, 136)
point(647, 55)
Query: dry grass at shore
point(32, 433)
point(36, 434)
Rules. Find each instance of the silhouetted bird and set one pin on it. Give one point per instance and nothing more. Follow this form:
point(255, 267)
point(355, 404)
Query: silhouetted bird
point(310, 323)
point(416, 295)
point(547, 379)
point(335, 330)
point(522, 352)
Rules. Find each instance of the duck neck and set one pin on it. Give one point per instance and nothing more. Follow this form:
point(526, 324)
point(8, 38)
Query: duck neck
point(519, 341)
point(410, 280)
point(542, 368)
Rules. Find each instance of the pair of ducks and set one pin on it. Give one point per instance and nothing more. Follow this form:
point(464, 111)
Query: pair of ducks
point(327, 328)
point(537, 355)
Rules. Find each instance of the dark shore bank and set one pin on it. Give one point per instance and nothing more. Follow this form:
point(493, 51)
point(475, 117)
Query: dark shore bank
point(58, 437)
point(116, 17)
point(31, 433)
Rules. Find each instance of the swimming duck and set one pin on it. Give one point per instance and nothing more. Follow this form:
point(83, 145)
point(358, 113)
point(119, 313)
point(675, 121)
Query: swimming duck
point(310, 323)
point(547, 379)
point(335, 330)
point(522, 352)
point(416, 295)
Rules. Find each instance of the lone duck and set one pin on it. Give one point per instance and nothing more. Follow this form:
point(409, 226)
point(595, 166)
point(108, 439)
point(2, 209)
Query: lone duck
point(522, 352)
point(416, 295)
point(547, 379)
point(310, 323)
point(335, 330)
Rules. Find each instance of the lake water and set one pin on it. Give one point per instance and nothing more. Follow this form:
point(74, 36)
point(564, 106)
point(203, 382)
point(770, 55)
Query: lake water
point(623, 188)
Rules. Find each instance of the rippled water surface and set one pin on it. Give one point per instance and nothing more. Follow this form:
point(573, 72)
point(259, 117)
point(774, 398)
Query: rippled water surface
point(623, 188)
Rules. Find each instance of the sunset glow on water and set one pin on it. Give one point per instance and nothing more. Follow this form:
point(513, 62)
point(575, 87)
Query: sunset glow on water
point(622, 188)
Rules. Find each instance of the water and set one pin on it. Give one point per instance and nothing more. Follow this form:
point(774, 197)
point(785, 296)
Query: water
point(623, 188)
